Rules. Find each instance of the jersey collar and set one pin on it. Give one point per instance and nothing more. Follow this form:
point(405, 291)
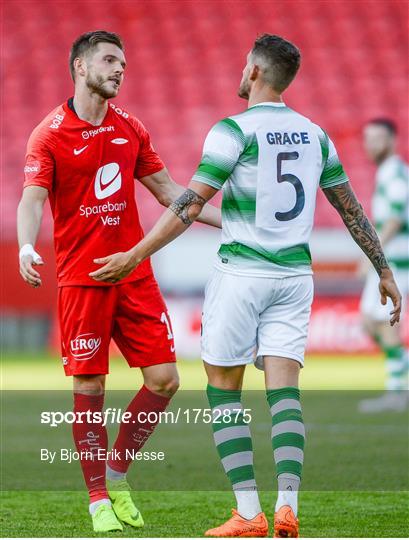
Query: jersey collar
point(385, 164)
point(68, 107)
point(270, 103)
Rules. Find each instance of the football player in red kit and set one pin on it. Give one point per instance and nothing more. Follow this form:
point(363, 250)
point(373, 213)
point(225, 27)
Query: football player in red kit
point(84, 157)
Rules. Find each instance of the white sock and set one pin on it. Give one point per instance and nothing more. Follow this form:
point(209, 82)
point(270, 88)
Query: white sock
point(288, 487)
point(93, 506)
point(287, 498)
point(248, 504)
point(114, 475)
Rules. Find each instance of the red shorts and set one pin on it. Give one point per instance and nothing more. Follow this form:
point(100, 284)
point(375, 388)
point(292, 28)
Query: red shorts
point(133, 314)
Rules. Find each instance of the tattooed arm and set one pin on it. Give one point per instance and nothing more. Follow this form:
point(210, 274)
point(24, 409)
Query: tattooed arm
point(166, 191)
point(173, 222)
point(343, 198)
point(188, 206)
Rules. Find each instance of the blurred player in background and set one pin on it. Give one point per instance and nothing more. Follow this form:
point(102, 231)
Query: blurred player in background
point(84, 157)
point(270, 161)
point(390, 212)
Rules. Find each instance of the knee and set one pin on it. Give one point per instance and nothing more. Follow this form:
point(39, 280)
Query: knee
point(224, 383)
point(166, 387)
point(93, 385)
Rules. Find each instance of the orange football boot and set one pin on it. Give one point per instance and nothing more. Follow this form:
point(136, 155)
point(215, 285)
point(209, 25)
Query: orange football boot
point(285, 523)
point(239, 527)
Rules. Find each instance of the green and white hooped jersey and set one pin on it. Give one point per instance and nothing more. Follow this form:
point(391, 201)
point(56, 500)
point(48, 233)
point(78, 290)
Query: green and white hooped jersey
point(269, 160)
point(391, 200)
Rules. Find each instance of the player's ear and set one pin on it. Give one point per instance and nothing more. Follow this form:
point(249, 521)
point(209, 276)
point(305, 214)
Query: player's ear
point(80, 66)
point(254, 72)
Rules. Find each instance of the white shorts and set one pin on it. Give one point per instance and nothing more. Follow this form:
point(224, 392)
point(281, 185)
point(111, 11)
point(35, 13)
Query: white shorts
point(371, 297)
point(246, 318)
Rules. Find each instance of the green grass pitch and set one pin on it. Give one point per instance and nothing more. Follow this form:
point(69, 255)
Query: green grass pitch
point(38, 513)
point(181, 514)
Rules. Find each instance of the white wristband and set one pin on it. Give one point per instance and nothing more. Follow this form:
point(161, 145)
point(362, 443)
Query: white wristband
point(28, 249)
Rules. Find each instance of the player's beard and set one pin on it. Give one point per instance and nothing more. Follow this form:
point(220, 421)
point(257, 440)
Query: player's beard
point(379, 156)
point(244, 89)
point(95, 83)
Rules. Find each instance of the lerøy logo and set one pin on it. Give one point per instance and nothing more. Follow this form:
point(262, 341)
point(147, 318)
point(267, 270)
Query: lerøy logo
point(85, 346)
point(108, 180)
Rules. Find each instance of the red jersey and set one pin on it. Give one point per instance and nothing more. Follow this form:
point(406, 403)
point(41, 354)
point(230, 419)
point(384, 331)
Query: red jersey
point(89, 172)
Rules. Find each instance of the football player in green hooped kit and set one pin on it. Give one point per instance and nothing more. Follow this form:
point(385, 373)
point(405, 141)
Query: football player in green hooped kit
point(269, 160)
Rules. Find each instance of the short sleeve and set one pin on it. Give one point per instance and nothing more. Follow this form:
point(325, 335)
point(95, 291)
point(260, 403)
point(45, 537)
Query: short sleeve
point(333, 172)
point(221, 151)
point(397, 194)
point(39, 163)
point(148, 162)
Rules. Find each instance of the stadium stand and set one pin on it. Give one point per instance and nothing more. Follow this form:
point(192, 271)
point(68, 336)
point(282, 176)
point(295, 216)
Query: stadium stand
point(184, 66)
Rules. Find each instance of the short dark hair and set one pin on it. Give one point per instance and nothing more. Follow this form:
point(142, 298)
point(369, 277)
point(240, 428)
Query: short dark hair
point(387, 123)
point(281, 60)
point(88, 41)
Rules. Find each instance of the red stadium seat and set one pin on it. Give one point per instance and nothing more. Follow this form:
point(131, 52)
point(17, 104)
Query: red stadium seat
point(185, 61)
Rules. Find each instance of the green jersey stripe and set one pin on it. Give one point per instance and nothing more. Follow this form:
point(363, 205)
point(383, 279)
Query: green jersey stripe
point(333, 173)
point(250, 152)
point(214, 171)
point(216, 184)
point(295, 255)
point(398, 206)
point(402, 264)
point(324, 142)
point(234, 129)
point(240, 205)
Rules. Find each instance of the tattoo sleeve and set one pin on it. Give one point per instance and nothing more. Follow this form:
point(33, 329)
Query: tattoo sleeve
point(184, 203)
point(342, 197)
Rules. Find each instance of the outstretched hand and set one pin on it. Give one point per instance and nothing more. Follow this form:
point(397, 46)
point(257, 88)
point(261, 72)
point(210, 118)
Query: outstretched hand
point(27, 270)
point(388, 288)
point(116, 267)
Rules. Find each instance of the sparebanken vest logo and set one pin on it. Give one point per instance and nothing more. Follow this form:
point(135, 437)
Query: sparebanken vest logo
point(108, 180)
point(85, 346)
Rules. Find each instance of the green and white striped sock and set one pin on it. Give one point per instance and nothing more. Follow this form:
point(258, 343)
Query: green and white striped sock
point(288, 438)
point(396, 367)
point(234, 445)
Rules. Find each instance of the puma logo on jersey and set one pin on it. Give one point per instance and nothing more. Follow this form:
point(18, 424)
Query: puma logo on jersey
point(77, 152)
point(119, 141)
point(108, 180)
